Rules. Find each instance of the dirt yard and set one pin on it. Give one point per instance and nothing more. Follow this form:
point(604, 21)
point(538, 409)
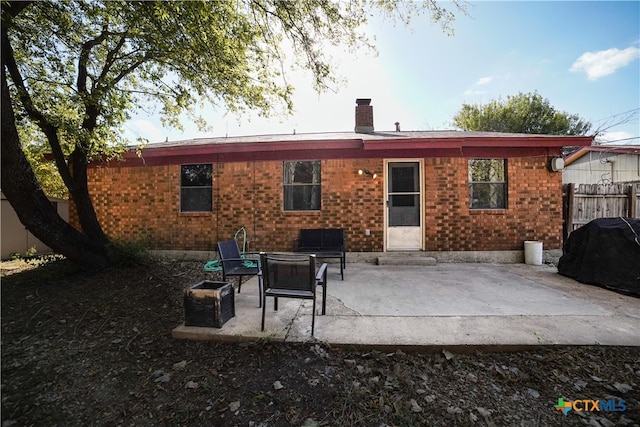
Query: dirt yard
point(81, 349)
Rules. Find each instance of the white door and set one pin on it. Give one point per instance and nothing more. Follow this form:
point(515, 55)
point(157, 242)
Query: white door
point(404, 205)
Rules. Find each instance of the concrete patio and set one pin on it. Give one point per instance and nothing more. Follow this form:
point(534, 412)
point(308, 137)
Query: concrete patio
point(446, 305)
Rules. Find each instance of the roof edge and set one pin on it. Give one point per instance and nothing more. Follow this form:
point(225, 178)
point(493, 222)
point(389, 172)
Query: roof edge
point(353, 146)
point(618, 149)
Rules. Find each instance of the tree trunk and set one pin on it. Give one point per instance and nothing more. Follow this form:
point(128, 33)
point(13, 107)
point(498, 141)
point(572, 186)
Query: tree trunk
point(82, 200)
point(32, 206)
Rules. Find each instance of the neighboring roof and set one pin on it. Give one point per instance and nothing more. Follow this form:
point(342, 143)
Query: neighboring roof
point(616, 149)
point(353, 145)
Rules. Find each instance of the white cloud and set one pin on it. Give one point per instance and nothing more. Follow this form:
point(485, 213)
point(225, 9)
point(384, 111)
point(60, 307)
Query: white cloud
point(148, 130)
point(474, 92)
point(604, 62)
point(619, 137)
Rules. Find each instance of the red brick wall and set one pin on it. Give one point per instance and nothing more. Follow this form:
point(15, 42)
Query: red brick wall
point(534, 208)
point(144, 203)
point(347, 200)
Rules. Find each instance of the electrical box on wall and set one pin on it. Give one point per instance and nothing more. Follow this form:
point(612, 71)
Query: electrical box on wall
point(556, 164)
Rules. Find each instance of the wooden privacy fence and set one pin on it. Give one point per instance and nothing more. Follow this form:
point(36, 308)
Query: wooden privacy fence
point(590, 201)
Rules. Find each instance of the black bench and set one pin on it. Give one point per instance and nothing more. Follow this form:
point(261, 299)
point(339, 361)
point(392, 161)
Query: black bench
point(324, 243)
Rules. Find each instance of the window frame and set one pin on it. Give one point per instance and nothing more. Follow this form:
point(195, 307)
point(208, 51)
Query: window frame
point(503, 183)
point(184, 188)
point(288, 187)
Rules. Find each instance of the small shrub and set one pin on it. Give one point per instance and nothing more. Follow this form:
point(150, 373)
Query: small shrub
point(129, 253)
point(32, 251)
point(46, 259)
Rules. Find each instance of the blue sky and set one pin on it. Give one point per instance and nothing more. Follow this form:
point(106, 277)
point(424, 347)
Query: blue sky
point(584, 57)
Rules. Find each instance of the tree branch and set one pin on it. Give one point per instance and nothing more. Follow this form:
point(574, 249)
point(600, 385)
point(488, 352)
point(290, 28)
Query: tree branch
point(13, 8)
point(50, 131)
point(126, 71)
point(111, 57)
point(84, 59)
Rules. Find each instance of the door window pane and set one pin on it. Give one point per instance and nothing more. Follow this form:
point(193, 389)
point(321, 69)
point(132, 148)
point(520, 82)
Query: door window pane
point(404, 179)
point(404, 210)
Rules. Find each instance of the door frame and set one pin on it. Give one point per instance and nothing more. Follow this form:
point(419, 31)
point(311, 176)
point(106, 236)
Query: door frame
point(421, 186)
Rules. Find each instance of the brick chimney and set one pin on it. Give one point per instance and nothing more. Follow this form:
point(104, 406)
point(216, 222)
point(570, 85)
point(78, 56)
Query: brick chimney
point(364, 116)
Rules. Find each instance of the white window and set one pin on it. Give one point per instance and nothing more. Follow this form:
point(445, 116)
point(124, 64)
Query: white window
point(301, 185)
point(487, 184)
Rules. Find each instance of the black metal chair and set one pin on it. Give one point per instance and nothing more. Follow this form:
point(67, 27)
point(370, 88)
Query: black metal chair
point(292, 276)
point(235, 265)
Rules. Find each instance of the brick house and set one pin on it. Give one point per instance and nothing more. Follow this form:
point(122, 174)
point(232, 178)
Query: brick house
point(430, 191)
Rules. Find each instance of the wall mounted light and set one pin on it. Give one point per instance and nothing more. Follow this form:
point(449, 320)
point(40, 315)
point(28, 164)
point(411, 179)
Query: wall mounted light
point(367, 172)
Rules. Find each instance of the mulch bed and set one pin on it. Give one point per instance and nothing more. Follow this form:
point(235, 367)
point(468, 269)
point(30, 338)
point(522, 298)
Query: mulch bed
point(81, 349)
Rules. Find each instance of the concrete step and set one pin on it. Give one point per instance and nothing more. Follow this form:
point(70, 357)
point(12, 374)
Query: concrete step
point(406, 260)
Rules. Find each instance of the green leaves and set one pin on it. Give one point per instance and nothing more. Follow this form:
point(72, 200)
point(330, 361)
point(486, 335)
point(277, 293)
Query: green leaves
point(75, 69)
point(81, 67)
point(86, 64)
point(522, 113)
